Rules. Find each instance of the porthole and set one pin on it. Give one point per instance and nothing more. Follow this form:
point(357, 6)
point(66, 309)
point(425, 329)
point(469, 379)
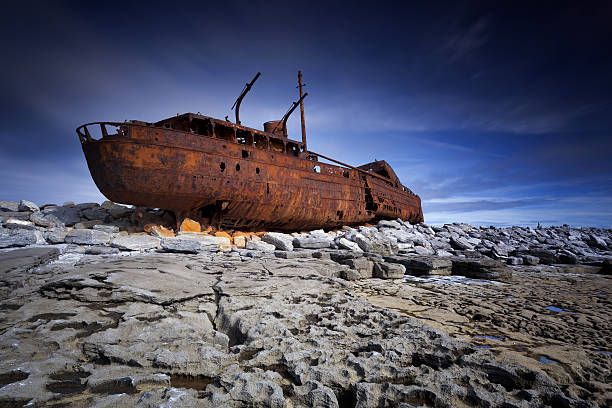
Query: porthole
point(238, 167)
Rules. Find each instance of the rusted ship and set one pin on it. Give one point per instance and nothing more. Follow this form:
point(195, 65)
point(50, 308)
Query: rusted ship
point(236, 177)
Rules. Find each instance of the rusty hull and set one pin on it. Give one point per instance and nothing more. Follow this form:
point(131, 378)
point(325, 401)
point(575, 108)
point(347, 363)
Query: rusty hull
point(237, 177)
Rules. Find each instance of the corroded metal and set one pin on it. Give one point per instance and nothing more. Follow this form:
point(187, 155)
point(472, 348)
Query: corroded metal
point(238, 177)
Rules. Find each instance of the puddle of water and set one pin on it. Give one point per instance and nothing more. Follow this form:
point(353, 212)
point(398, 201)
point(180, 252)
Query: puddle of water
point(510, 298)
point(555, 309)
point(603, 295)
point(490, 337)
point(547, 360)
point(482, 346)
point(608, 353)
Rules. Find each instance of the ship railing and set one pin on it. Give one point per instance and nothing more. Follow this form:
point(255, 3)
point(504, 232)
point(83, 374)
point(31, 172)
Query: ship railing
point(97, 130)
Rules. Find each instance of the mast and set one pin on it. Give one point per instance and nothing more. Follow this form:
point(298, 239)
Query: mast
point(302, 111)
point(246, 89)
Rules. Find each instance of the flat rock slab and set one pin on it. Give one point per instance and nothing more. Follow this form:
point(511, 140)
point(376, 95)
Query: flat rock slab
point(215, 330)
point(26, 258)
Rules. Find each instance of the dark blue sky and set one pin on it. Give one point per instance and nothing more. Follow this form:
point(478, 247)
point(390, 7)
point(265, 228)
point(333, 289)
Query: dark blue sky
point(493, 112)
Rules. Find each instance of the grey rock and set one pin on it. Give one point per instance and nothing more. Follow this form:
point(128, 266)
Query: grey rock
point(66, 215)
point(207, 243)
point(116, 210)
point(386, 270)
point(530, 260)
point(101, 250)
point(134, 242)
point(9, 206)
point(293, 254)
point(344, 243)
point(24, 259)
point(96, 213)
point(423, 251)
point(14, 223)
point(481, 269)
point(260, 246)
point(48, 220)
point(423, 265)
point(55, 235)
point(87, 224)
point(350, 274)
point(20, 237)
point(282, 242)
point(363, 266)
point(87, 237)
point(514, 260)
point(461, 243)
point(597, 242)
point(312, 242)
point(28, 206)
point(175, 244)
point(19, 215)
point(106, 228)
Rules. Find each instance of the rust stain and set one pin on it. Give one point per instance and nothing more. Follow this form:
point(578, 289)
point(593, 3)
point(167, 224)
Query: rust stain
point(237, 177)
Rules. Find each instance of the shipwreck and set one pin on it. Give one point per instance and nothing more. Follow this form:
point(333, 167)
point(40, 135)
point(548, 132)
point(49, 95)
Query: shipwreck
point(236, 177)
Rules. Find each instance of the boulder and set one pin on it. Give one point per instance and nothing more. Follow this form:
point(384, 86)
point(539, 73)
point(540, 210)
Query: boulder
point(116, 210)
point(56, 235)
point(19, 215)
point(459, 242)
point(515, 260)
point(66, 215)
point(240, 241)
point(87, 237)
point(312, 241)
point(135, 242)
point(282, 242)
point(350, 274)
point(48, 220)
point(189, 225)
point(13, 223)
point(9, 206)
point(423, 265)
point(106, 228)
point(385, 270)
point(530, 260)
point(481, 268)
point(363, 266)
point(96, 213)
point(87, 224)
point(260, 246)
point(28, 206)
point(344, 243)
point(20, 237)
point(174, 244)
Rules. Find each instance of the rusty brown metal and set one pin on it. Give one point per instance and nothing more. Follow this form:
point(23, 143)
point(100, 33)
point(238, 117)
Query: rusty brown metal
point(246, 89)
point(302, 121)
point(238, 177)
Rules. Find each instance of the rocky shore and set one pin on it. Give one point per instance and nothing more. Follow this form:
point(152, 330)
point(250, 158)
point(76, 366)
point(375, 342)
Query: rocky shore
point(106, 305)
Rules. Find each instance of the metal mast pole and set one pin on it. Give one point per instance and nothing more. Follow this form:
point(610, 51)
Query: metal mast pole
point(302, 111)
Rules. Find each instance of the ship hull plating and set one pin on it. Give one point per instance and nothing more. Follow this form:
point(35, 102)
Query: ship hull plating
point(238, 185)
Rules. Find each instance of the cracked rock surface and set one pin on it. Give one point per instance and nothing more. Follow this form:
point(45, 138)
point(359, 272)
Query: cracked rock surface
point(214, 330)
